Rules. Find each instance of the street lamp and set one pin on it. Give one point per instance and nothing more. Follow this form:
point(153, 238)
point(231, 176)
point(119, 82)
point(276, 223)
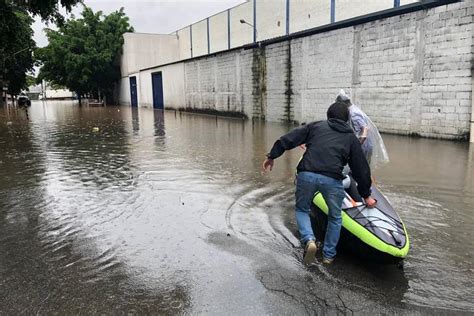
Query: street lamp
point(242, 21)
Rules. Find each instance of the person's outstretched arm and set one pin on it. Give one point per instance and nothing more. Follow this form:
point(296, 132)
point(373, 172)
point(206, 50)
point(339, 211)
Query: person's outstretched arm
point(296, 137)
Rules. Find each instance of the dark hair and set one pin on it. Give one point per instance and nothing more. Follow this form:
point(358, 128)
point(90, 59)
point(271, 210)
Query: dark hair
point(338, 110)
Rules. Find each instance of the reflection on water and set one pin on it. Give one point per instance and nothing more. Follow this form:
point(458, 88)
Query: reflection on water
point(142, 211)
point(431, 182)
point(59, 180)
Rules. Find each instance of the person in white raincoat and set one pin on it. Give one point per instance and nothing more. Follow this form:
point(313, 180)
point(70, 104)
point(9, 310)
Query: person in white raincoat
point(366, 131)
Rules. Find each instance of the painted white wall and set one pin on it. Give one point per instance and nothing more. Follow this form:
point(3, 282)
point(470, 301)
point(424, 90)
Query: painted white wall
point(241, 34)
point(184, 40)
point(306, 14)
point(173, 86)
point(218, 32)
point(124, 95)
point(404, 2)
point(147, 50)
point(271, 19)
point(200, 38)
point(346, 9)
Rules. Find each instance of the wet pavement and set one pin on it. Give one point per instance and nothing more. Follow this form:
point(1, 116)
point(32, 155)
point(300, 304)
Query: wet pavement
point(130, 211)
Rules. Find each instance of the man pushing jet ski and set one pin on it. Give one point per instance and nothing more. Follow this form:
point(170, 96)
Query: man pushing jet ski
point(330, 145)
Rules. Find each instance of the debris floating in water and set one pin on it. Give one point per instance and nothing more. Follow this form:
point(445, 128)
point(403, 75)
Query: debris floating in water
point(95, 129)
point(9, 123)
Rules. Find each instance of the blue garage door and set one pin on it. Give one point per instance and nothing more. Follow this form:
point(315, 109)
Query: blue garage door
point(157, 83)
point(133, 91)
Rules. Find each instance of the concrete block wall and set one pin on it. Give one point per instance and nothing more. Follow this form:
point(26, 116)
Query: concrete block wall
point(386, 81)
point(278, 82)
point(228, 82)
point(213, 83)
point(327, 68)
point(252, 82)
point(412, 74)
point(447, 70)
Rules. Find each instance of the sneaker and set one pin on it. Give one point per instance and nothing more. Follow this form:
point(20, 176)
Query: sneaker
point(309, 252)
point(328, 260)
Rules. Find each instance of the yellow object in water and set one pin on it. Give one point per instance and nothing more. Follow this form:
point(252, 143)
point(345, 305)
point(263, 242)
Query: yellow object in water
point(95, 129)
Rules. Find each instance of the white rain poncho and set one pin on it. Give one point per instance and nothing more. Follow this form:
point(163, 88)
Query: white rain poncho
point(373, 147)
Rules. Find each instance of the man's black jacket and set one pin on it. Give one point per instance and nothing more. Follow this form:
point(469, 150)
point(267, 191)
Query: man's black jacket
point(330, 145)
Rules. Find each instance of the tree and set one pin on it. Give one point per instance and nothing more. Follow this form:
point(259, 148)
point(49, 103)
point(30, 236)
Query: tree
point(16, 43)
point(48, 10)
point(30, 81)
point(16, 53)
point(84, 54)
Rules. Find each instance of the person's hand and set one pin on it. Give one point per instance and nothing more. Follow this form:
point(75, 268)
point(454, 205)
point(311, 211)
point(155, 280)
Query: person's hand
point(267, 165)
point(370, 202)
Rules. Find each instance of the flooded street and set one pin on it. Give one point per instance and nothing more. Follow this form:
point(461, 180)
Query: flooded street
point(124, 210)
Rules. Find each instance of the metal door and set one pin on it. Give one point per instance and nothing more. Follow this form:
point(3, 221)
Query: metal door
point(157, 84)
point(133, 91)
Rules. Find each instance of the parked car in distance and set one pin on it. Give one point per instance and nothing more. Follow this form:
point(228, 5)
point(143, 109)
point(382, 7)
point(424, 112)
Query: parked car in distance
point(23, 100)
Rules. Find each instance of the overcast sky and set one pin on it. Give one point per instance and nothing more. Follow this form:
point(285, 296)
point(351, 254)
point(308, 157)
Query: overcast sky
point(147, 16)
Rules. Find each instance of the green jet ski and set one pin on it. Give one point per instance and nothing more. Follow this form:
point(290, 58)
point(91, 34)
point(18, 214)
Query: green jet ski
point(376, 234)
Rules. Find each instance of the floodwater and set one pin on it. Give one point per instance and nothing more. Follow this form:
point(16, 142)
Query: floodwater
point(131, 211)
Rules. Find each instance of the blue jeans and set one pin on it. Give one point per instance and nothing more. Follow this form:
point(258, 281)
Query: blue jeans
point(307, 184)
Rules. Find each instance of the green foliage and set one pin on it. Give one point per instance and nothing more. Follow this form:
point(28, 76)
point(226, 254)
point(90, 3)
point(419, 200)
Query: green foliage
point(48, 10)
point(84, 54)
point(16, 37)
point(30, 81)
point(16, 57)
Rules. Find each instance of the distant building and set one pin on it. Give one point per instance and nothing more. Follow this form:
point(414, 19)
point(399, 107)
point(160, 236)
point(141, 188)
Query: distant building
point(58, 94)
point(34, 92)
point(45, 91)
